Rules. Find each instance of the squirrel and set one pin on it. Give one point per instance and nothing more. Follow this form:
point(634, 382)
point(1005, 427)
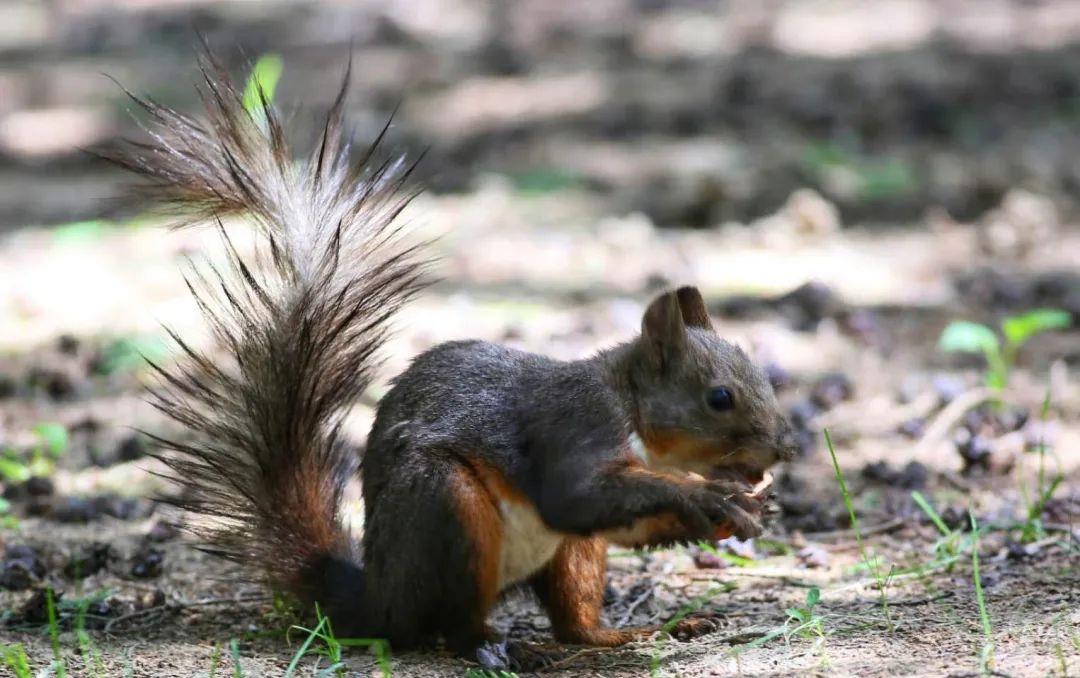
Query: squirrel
point(486, 468)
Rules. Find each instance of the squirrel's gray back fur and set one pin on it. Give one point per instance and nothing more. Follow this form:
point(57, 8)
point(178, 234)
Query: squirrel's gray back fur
point(301, 324)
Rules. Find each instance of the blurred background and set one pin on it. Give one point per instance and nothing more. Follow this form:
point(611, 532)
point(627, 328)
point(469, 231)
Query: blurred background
point(844, 179)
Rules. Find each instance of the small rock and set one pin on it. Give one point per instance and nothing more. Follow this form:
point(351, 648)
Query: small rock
point(97, 614)
point(1064, 510)
point(812, 214)
point(32, 489)
point(914, 476)
point(863, 325)
point(739, 547)
point(978, 420)
point(831, 389)
point(1012, 418)
point(1039, 435)
point(8, 386)
point(974, 450)
point(57, 384)
point(947, 388)
point(39, 486)
point(123, 508)
point(67, 344)
point(22, 568)
point(879, 471)
point(779, 378)
point(147, 563)
point(813, 557)
point(990, 579)
point(955, 519)
point(88, 561)
point(36, 609)
point(816, 519)
point(162, 531)
point(807, 305)
point(131, 448)
point(87, 426)
point(149, 599)
point(39, 507)
point(1016, 551)
point(75, 510)
point(707, 560)
point(912, 428)
point(802, 414)
point(1023, 221)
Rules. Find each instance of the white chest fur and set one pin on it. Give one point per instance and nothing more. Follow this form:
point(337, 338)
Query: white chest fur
point(527, 543)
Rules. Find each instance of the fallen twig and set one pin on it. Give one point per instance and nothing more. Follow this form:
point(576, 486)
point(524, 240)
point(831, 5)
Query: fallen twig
point(951, 415)
point(634, 606)
point(177, 606)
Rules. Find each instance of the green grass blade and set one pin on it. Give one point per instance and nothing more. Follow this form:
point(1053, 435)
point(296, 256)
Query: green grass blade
point(234, 650)
point(929, 511)
point(312, 635)
point(846, 494)
point(980, 598)
point(54, 633)
point(215, 659)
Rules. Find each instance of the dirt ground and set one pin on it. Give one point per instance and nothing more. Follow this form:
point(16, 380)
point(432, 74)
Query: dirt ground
point(839, 194)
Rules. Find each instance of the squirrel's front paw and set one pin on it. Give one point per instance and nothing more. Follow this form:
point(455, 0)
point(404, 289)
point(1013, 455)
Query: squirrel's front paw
point(731, 508)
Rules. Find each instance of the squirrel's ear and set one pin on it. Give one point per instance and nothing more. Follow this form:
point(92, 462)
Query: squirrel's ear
point(692, 307)
point(663, 328)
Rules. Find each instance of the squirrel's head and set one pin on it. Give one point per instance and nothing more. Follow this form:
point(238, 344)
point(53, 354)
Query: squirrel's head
point(699, 404)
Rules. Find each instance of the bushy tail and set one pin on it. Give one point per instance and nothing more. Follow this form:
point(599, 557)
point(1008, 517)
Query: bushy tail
point(301, 325)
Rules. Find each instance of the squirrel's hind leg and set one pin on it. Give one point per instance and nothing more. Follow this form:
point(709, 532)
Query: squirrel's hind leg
point(478, 517)
point(431, 544)
point(571, 588)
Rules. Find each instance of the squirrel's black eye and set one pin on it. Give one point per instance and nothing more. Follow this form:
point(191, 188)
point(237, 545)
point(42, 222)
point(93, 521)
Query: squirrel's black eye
point(720, 399)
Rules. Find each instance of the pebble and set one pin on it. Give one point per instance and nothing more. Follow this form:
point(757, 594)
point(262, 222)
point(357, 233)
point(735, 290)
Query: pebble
point(813, 557)
point(974, 451)
point(831, 389)
point(162, 531)
point(912, 428)
point(22, 568)
point(88, 561)
point(707, 560)
point(779, 378)
point(147, 563)
point(947, 388)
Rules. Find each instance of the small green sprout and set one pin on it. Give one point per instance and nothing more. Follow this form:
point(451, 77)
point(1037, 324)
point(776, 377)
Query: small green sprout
point(52, 444)
point(53, 438)
point(12, 469)
point(127, 354)
point(1001, 355)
